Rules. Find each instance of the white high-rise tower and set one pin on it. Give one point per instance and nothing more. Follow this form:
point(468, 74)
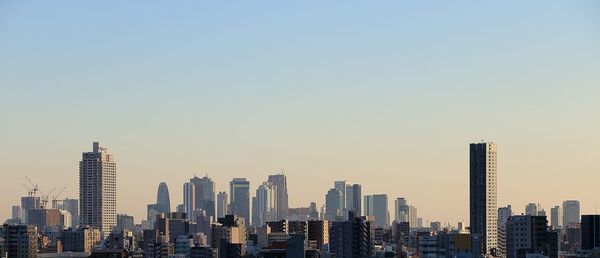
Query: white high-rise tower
point(98, 189)
point(483, 194)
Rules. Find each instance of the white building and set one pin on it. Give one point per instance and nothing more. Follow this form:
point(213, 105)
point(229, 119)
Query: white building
point(98, 189)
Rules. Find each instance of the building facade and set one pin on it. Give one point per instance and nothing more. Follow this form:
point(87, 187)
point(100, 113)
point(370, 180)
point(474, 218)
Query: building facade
point(483, 194)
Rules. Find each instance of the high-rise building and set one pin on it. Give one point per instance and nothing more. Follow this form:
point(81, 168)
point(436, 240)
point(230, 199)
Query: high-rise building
point(98, 189)
point(72, 206)
point(534, 209)
point(189, 203)
point(405, 213)
point(341, 187)
point(239, 190)
point(571, 213)
point(125, 222)
point(352, 238)
point(16, 212)
point(44, 217)
point(204, 194)
point(377, 205)
point(590, 232)
point(265, 204)
point(221, 204)
point(163, 201)
point(280, 183)
point(483, 194)
point(333, 204)
point(29, 203)
point(313, 214)
point(503, 214)
point(527, 234)
point(357, 199)
point(556, 217)
point(20, 240)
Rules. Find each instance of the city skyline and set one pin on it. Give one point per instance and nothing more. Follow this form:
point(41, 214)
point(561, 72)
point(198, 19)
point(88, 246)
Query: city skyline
point(386, 96)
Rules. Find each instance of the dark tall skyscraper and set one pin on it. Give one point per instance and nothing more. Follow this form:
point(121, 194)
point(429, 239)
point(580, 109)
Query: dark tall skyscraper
point(590, 232)
point(163, 202)
point(204, 191)
point(98, 189)
point(222, 203)
point(527, 234)
point(239, 190)
point(482, 192)
point(357, 199)
point(281, 195)
point(352, 238)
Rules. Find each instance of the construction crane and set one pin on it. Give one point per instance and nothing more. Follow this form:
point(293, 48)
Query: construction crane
point(55, 198)
point(45, 198)
point(33, 188)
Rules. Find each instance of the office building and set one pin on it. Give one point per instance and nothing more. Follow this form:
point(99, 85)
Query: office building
point(163, 200)
point(404, 212)
point(280, 183)
point(377, 206)
point(98, 189)
point(29, 203)
point(239, 191)
point(483, 194)
point(333, 204)
point(534, 209)
point(222, 201)
point(189, 203)
point(341, 187)
point(16, 213)
point(72, 206)
point(204, 191)
point(44, 217)
point(265, 205)
point(590, 232)
point(125, 222)
point(556, 217)
point(571, 213)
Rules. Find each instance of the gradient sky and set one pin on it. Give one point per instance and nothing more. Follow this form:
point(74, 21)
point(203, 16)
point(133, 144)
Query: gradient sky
point(387, 94)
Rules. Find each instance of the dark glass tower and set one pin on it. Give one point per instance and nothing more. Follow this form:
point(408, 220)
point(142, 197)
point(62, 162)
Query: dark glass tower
point(482, 193)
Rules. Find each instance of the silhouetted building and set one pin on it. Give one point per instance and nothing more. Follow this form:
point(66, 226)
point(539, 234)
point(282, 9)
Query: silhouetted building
point(204, 190)
point(20, 241)
point(222, 201)
point(80, 239)
point(239, 190)
point(352, 238)
point(527, 234)
point(125, 221)
point(590, 232)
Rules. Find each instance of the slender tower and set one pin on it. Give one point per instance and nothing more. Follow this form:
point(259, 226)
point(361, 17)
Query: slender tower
point(98, 189)
point(482, 192)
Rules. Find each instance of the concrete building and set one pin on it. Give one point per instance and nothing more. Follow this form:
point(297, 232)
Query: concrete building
point(98, 189)
point(239, 190)
point(44, 217)
point(571, 213)
point(527, 234)
point(318, 231)
point(20, 241)
point(352, 238)
point(204, 191)
point(222, 201)
point(189, 203)
point(29, 203)
point(281, 195)
point(483, 194)
point(503, 214)
point(341, 187)
point(80, 240)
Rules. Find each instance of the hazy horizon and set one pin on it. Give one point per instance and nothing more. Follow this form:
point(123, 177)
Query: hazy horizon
point(386, 95)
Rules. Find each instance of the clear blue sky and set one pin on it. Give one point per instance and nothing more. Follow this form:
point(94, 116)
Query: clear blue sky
point(383, 93)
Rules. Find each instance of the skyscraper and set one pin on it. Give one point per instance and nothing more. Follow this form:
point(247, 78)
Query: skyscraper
point(556, 217)
point(482, 192)
point(266, 204)
point(280, 183)
point(239, 190)
point(221, 204)
point(72, 206)
point(357, 199)
point(189, 204)
point(503, 214)
point(377, 205)
point(333, 204)
point(204, 194)
point(571, 212)
point(534, 209)
point(405, 213)
point(163, 202)
point(98, 189)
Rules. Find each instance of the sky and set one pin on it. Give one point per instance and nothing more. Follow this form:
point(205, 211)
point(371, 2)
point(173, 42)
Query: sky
point(387, 94)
